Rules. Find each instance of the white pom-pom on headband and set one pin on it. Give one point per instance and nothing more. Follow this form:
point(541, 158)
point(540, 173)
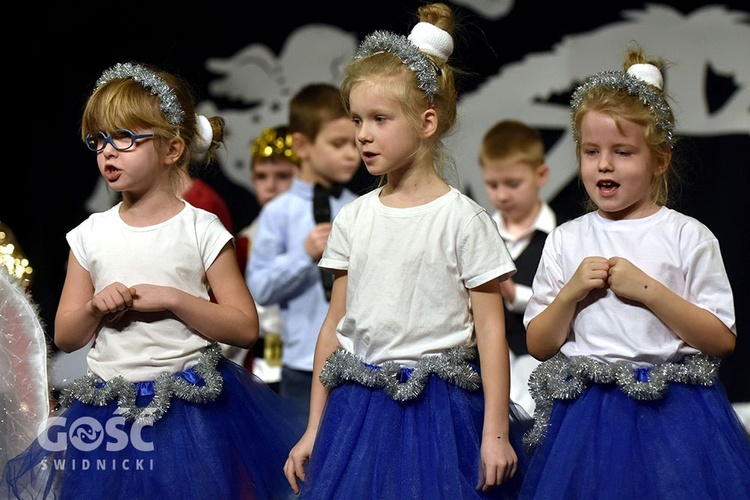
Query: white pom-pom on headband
point(647, 73)
point(203, 137)
point(432, 40)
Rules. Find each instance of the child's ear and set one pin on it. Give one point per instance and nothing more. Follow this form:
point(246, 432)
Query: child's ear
point(300, 144)
point(662, 162)
point(429, 122)
point(175, 148)
point(542, 174)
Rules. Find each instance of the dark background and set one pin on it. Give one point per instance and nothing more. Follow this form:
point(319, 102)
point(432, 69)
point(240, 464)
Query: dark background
point(48, 173)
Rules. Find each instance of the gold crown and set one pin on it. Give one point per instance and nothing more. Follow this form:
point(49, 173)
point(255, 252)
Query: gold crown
point(274, 142)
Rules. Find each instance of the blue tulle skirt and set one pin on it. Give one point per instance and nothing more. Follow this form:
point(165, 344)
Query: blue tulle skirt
point(371, 446)
point(604, 444)
point(231, 448)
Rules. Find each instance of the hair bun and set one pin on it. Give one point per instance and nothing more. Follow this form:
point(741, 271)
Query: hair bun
point(432, 40)
point(647, 73)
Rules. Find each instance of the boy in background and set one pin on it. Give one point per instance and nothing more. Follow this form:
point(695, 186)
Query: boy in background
point(512, 158)
point(293, 230)
point(273, 166)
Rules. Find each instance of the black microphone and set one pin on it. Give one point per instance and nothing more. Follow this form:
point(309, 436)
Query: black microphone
point(321, 205)
point(322, 213)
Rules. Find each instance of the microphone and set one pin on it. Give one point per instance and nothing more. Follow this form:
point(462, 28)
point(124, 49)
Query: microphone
point(322, 213)
point(321, 205)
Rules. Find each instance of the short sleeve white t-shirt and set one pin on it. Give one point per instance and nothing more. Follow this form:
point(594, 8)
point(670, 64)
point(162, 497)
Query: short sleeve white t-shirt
point(175, 253)
point(675, 249)
point(409, 274)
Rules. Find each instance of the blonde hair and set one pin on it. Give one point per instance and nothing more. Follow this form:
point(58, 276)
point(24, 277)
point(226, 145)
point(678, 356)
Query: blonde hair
point(124, 103)
point(396, 79)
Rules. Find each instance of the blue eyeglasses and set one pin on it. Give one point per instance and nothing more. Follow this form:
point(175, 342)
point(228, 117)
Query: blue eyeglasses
point(121, 139)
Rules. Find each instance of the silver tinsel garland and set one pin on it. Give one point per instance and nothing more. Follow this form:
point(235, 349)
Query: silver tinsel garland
point(648, 94)
point(92, 390)
point(453, 366)
point(168, 102)
point(566, 378)
point(423, 68)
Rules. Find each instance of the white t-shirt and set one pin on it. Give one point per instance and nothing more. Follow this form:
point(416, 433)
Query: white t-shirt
point(409, 274)
point(675, 249)
point(174, 253)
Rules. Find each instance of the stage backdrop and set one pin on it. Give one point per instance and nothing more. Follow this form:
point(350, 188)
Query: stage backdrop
point(521, 60)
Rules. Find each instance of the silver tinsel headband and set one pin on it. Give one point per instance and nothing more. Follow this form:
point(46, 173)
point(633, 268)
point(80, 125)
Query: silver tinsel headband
point(168, 102)
point(400, 46)
point(648, 94)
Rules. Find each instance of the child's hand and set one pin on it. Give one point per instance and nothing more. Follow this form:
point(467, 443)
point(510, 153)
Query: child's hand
point(316, 241)
point(592, 273)
point(114, 300)
point(295, 465)
point(498, 462)
point(627, 280)
point(142, 297)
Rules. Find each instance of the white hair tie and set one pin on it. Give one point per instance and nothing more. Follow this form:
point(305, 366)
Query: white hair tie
point(203, 138)
point(432, 40)
point(647, 73)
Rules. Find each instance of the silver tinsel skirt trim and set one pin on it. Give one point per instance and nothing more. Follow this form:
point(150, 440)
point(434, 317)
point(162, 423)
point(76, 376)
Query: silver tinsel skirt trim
point(453, 367)
point(566, 378)
point(92, 390)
